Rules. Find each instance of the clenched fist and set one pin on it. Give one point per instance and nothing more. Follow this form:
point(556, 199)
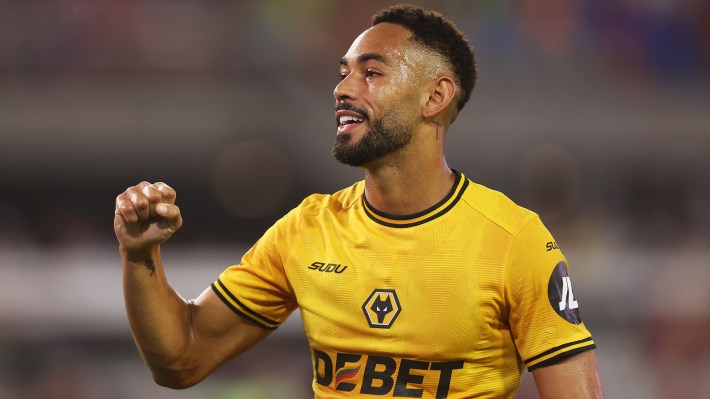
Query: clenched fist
point(145, 217)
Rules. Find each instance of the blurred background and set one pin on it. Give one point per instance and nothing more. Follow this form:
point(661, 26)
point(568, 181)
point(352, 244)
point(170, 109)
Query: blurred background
point(592, 113)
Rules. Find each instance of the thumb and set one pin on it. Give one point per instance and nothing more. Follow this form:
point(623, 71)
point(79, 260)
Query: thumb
point(171, 214)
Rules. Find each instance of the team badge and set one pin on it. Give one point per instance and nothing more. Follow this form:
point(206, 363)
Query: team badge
point(562, 300)
point(381, 308)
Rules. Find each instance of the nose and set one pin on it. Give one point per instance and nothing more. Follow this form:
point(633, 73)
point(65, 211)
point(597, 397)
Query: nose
point(345, 89)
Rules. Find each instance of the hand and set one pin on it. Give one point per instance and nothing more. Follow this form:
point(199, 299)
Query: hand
point(145, 217)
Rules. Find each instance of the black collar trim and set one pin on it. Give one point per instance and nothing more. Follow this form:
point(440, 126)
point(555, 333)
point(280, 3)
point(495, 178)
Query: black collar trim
point(415, 219)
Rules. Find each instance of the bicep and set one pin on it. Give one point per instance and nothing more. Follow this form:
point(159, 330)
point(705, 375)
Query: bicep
point(573, 378)
point(219, 334)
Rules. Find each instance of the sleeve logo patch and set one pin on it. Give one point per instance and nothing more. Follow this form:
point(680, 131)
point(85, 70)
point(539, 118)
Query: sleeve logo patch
point(562, 299)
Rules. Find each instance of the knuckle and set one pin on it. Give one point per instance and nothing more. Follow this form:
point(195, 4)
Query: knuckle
point(133, 192)
point(170, 194)
point(126, 210)
point(122, 204)
point(151, 193)
point(124, 194)
point(164, 188)
point(141, 185)
point(141, 204)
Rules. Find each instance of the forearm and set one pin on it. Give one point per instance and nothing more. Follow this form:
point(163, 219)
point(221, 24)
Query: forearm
point(573, 378)
point(181, 342)
point(158, 316)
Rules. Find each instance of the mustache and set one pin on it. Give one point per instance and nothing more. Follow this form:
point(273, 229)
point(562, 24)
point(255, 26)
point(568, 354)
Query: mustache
point(346, 106)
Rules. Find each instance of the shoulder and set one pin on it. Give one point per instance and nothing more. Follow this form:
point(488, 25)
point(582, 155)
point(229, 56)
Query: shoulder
point(341, 200)
point(497, 208)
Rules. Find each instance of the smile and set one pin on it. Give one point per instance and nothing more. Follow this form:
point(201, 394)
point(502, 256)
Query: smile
point(348, 119)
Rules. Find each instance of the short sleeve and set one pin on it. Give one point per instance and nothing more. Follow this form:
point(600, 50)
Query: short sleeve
point(258, 288)
point(544, 313)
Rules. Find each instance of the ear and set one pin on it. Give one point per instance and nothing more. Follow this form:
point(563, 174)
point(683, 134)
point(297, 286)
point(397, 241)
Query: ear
point(441, 94)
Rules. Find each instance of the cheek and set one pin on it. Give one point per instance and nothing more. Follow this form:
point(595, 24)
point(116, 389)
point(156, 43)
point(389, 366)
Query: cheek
point(395, 92)
point(405, 96)
point(382, 97)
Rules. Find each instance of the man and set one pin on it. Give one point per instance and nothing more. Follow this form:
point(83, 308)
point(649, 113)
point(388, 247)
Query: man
point(414, 283)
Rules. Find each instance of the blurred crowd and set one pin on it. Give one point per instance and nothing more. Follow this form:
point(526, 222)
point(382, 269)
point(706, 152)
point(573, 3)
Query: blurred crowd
point(592, 113)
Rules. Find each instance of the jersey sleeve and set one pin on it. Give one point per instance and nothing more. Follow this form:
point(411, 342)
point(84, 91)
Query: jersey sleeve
point(544, 313)
point(258, 288)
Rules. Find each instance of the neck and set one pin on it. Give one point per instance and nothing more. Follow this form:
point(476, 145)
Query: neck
point(407, 184)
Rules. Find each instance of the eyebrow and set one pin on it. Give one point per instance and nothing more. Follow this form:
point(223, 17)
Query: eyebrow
point(364, 58)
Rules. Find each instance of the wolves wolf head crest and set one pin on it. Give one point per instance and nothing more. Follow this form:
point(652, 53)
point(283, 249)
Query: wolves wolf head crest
point(381, 307)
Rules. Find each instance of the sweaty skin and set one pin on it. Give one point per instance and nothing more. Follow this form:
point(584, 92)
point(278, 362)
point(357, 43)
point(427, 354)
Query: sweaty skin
point(414, 177)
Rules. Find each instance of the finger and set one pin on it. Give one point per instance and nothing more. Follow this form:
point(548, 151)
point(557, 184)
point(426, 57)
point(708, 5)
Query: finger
point(171, 214)
point(154, 197)
point(125, 208)
point(140, 202)
point(168, 193)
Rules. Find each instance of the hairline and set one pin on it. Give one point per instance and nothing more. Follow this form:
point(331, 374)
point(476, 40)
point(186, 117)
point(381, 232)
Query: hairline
point(449, 66)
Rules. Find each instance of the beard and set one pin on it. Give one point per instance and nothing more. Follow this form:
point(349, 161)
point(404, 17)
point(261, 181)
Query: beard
point(387, 134)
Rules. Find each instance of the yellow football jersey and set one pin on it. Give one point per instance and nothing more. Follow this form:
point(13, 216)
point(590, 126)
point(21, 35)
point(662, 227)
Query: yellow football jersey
point(450, 302)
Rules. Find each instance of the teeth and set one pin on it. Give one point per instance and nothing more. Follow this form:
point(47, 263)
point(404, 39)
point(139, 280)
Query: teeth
point(350, 119)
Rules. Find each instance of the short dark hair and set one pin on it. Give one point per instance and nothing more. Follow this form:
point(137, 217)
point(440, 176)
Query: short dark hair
point(436, 33)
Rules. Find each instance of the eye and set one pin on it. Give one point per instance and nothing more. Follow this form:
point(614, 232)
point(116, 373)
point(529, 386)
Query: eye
point(370, 73)
point(342, 76)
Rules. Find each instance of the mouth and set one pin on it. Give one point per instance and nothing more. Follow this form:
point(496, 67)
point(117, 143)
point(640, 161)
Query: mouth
point(348, 120)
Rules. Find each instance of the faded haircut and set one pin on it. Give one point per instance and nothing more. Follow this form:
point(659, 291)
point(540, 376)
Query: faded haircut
point(436, 33)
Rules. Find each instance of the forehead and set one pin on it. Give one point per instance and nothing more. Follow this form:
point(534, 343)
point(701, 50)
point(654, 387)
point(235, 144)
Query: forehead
point(386, 39)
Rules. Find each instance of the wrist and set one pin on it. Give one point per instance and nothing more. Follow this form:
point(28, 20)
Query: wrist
point(139, 255)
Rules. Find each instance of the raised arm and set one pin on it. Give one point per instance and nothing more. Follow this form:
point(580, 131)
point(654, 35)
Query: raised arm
point(573, 378)
point(181, 341)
